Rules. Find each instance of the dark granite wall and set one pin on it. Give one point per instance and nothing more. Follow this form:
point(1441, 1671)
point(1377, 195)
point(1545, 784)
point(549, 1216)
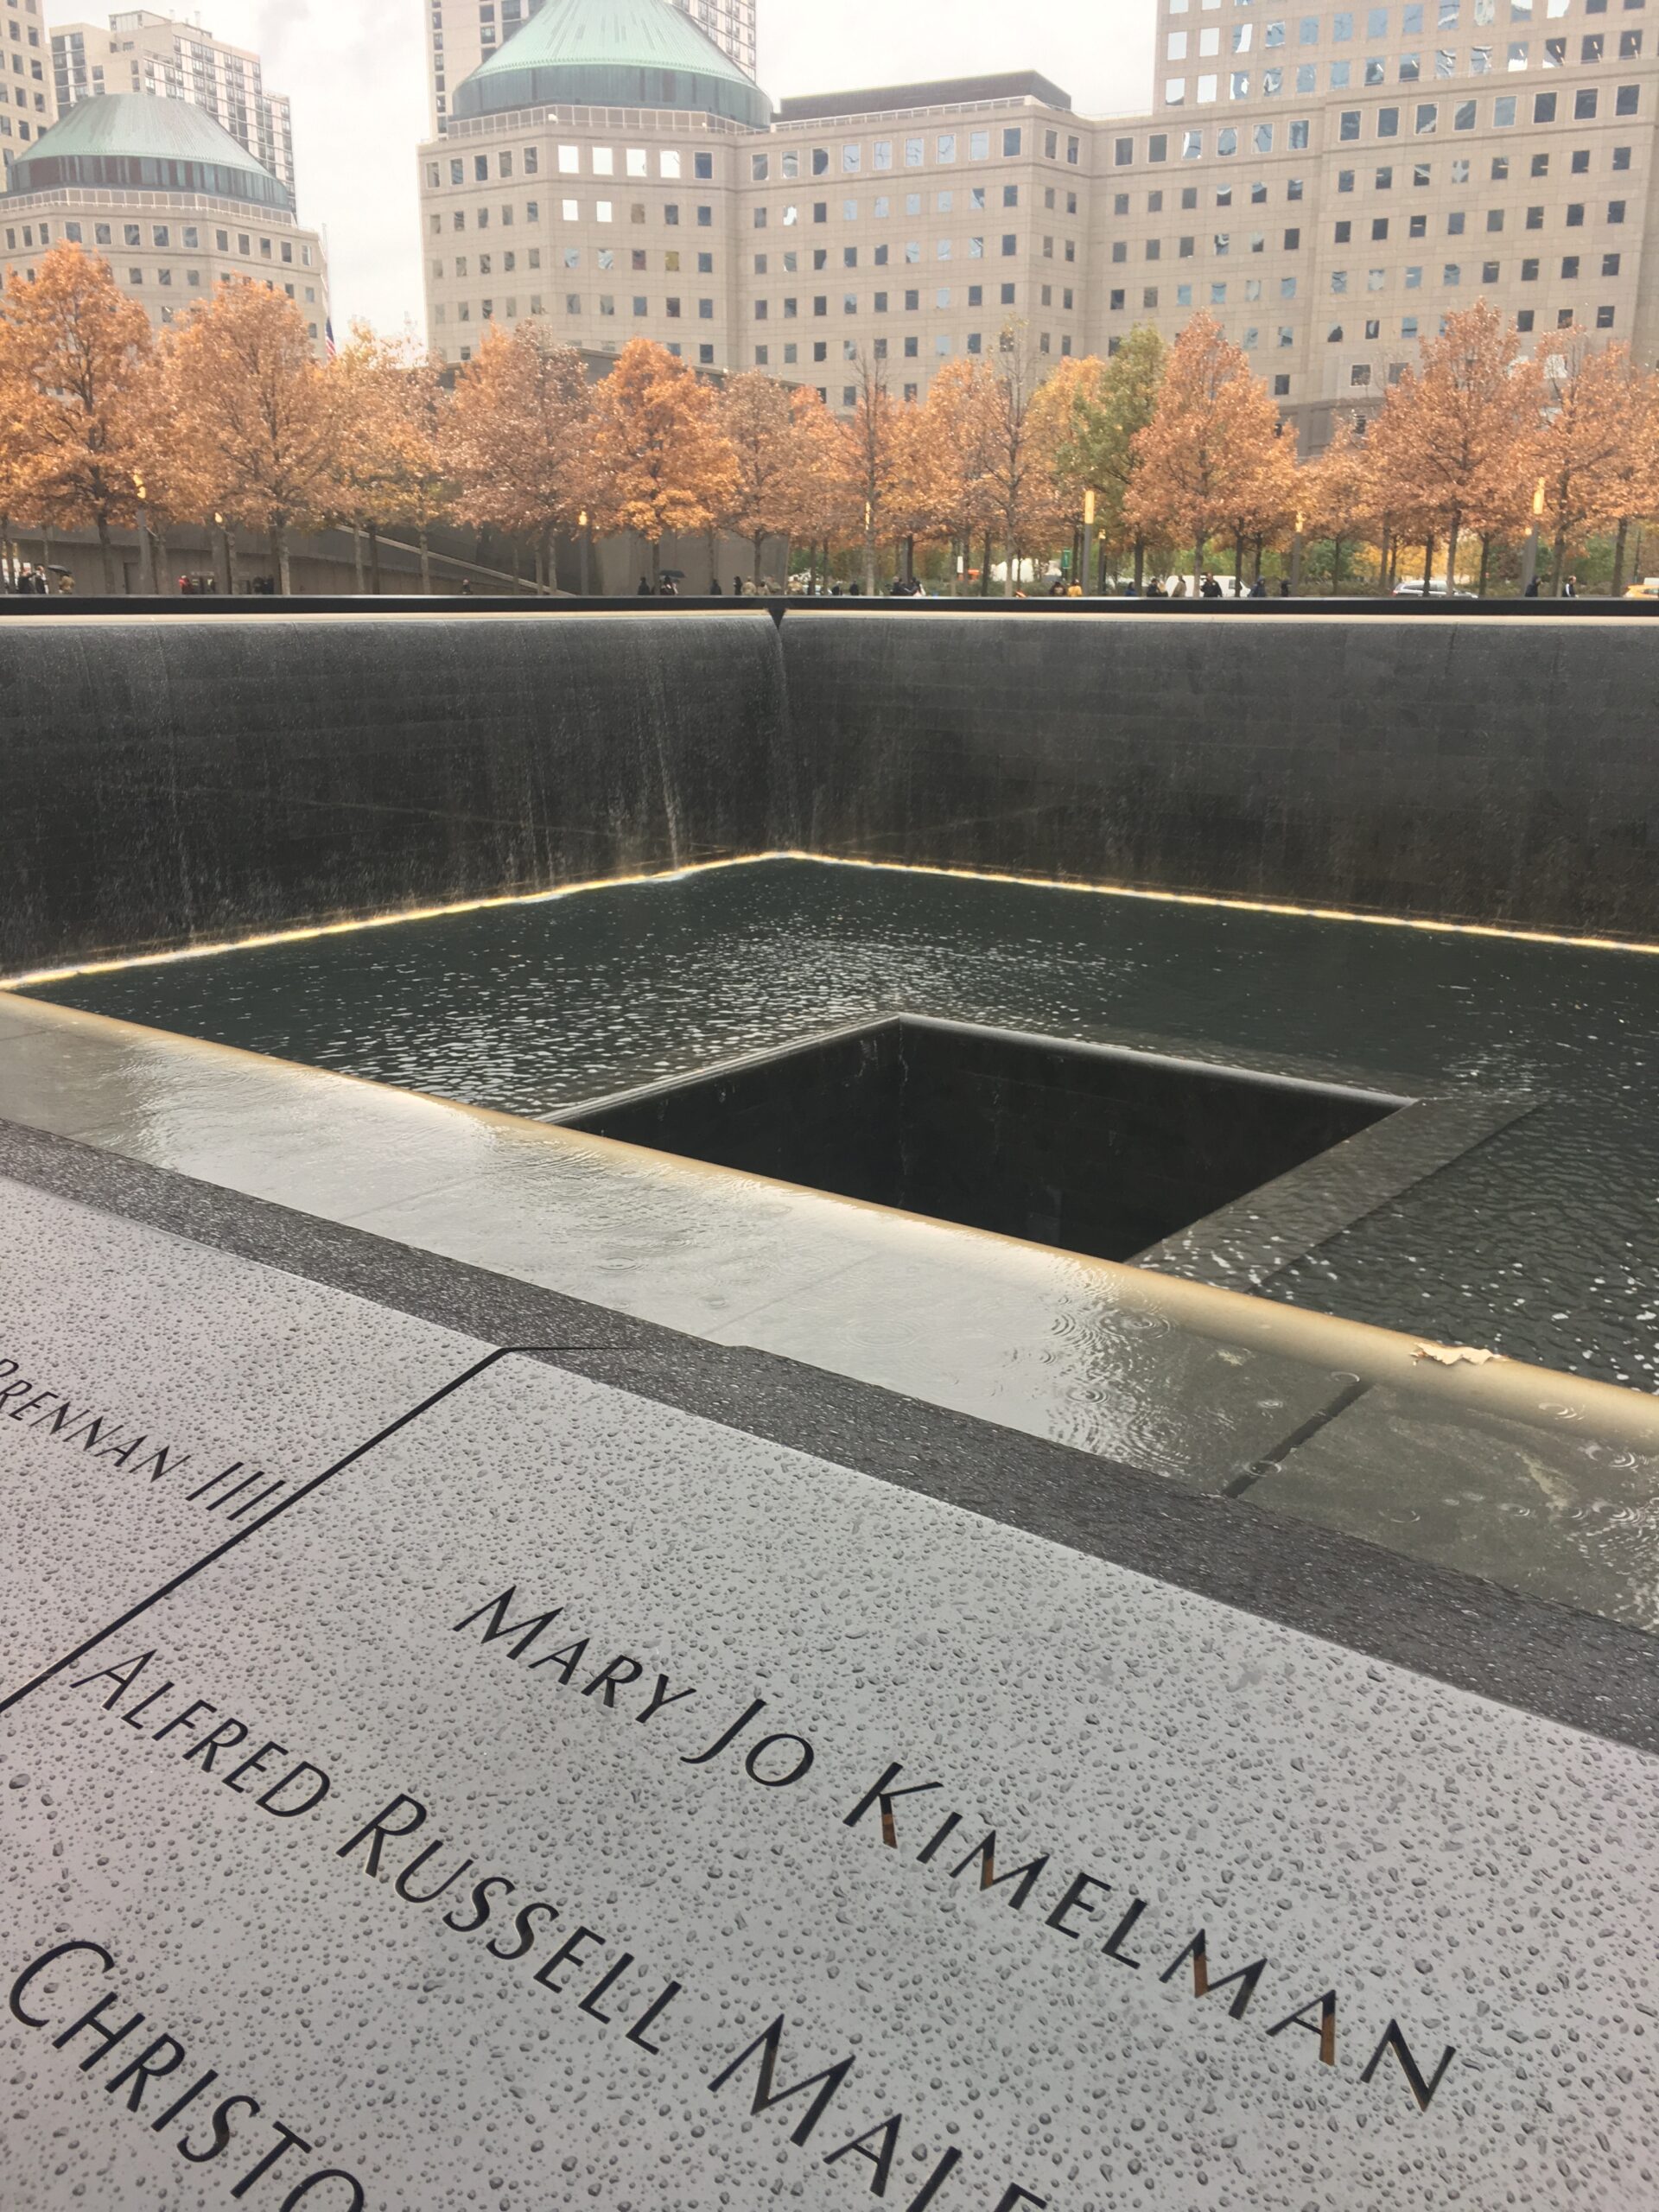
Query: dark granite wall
point(1497, 771)
point(174, 781)
point(180, 780)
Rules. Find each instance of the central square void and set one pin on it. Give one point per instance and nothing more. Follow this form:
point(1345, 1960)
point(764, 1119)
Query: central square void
point(1091, 1148)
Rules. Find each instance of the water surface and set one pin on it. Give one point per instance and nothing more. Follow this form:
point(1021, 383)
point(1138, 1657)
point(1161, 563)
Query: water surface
point(1541, 1243)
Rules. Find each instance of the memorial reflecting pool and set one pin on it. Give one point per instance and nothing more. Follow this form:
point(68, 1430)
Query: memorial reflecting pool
point(1539, 1243)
